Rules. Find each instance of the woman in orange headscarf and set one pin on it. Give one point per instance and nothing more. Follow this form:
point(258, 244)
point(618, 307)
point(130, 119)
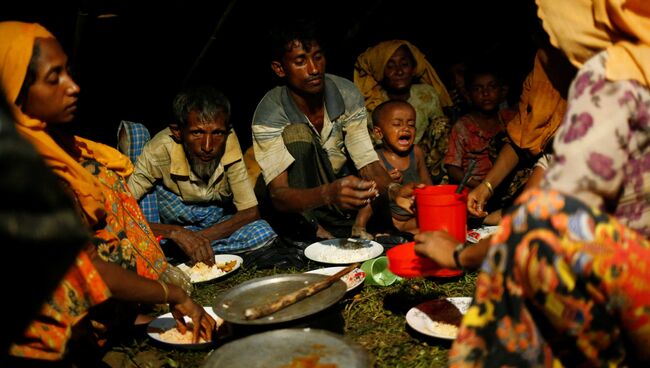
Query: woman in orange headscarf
point(541, 107)
point(43, 97)
point(397, 70)
point(80, 162)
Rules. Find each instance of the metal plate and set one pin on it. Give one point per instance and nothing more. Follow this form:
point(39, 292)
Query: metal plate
point(352, 279)
point(281, 348)
point(232, 304)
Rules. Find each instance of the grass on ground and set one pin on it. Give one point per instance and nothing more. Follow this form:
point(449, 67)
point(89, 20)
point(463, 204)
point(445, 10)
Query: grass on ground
point(374, 317)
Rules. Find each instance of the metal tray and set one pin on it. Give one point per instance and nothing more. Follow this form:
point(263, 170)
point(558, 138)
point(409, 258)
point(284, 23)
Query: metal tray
point(281, 348)
point(231, 305)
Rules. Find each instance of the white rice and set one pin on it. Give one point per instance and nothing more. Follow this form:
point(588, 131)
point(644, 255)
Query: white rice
point(202, 272)
point(173, 336)
point(445, 329)
point(333, 254)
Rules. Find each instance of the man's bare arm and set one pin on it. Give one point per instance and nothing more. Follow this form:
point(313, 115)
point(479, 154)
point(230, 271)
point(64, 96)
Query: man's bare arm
point(194, 244)
point(226, 228)
point(347, 192)
point(374, 171)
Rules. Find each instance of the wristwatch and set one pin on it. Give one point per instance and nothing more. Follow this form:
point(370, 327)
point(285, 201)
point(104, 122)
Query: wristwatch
point(459, 248)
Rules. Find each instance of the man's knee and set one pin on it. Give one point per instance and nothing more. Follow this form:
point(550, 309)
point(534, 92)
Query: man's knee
point(297, 133)
point(299, 140)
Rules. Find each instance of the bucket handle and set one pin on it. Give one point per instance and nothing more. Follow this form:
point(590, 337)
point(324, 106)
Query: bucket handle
point(468, 174)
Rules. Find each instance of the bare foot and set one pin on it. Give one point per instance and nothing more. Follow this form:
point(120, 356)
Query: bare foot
point(360, 232)
point(323, 234)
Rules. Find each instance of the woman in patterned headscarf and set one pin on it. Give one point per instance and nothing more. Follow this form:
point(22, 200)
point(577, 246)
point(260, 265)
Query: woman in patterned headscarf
point(565, 280)
point(398, 70)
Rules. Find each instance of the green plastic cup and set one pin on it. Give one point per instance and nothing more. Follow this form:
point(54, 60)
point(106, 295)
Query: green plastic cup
point(377, 272)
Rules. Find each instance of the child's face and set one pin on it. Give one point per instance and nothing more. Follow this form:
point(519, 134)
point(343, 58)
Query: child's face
point(396, 128)
point(486, 92)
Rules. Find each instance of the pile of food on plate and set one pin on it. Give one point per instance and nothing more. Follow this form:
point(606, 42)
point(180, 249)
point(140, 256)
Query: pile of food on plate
point(174, 336)
point(445, 316)
point(202, 272)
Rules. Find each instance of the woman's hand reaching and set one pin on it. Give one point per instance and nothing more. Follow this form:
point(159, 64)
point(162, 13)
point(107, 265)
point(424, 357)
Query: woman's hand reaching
point(204, 324)
point(477, 199)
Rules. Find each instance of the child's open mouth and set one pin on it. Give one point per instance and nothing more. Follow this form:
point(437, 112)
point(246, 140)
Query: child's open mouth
point(404, 139)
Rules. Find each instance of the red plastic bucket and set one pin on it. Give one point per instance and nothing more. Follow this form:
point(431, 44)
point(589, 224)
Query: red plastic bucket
point(440, 208)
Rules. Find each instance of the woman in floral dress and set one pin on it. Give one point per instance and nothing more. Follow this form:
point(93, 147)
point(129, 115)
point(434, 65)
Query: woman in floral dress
point(564, 281)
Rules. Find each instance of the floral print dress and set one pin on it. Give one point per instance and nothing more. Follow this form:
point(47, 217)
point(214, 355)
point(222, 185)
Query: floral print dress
point(125, 238)
point(471, 141)
point(602, 148)
point(46, 336)
point(564, 282)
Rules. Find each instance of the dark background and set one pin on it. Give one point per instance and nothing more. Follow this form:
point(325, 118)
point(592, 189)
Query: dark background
point(131, 57)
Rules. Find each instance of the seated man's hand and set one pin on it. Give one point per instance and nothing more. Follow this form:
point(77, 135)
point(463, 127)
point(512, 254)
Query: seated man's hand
point(396, 175)
point(351, 192)
point(477, 199)
point(437, 246)
point(195, 245)
point(403, 195)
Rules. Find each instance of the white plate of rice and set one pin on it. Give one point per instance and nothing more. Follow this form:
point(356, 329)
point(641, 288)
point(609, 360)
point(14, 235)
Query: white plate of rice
point(163, 330)
point(333, 251)
point(426, 324)
point(223, 265)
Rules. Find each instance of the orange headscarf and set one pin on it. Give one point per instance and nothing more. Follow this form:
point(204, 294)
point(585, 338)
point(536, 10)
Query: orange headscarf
point(540, 111)
point(581, 28)
point(16, 46)
point(369, 72)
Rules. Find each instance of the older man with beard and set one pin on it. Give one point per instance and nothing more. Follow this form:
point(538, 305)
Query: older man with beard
point(197, 170)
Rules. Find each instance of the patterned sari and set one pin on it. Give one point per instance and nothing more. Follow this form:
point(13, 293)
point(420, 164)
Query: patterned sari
point(562, 284)
point(126, 238)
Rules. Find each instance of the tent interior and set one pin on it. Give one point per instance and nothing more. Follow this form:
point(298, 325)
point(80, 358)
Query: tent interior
point(131, 57)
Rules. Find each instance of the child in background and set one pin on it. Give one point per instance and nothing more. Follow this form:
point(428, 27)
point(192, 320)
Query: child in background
point(457, 91)
point(394, 124)
point(471, 134)
point(398, 70)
